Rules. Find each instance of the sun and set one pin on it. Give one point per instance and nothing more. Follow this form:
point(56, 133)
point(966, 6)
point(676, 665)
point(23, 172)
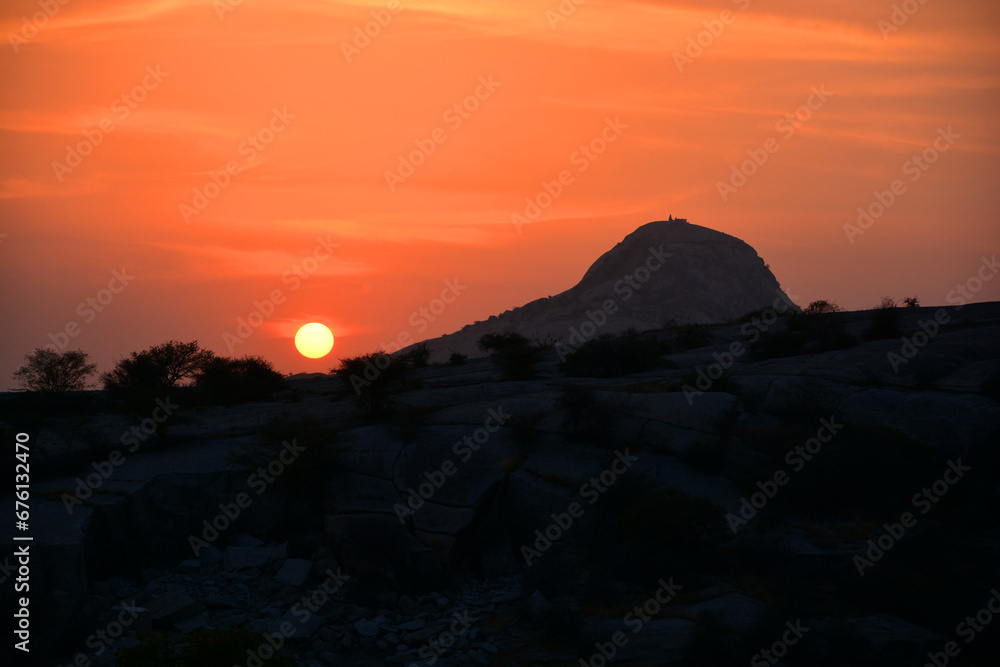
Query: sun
point(314, 340)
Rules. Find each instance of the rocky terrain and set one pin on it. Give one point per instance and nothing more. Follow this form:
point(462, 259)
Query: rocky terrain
point(731, 503)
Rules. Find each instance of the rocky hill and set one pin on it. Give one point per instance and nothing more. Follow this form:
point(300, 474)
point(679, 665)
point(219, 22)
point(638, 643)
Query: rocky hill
point(664, 273)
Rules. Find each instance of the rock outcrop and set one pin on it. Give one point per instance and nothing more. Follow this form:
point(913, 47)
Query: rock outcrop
point(664, 273)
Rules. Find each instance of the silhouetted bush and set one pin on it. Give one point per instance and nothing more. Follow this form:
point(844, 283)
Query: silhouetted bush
point(227, 380)
point(689, 337)
point(457, 359)
point(513, 355)
point(821, 306)
point(588, 416)
point(373, 378)
point(145, 376)
point(419, 355)
point(611, 355)
point(884, 322)
point(820, 328)
point(50, 371)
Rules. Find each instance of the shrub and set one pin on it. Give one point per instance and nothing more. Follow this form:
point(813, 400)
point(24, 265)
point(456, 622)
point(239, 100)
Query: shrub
point(49, 371)
point(228, 380)
point(587, 416)
point(150, 374)
point(820, 328)
point(513, 355)
point(822, 306)
point(374, 377)
point(911, 302)
point(884, 322)
point(419, 355)
point(610, 355)
point(457, 359)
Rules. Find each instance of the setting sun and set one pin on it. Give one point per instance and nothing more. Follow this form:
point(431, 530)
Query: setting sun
point(314, 340)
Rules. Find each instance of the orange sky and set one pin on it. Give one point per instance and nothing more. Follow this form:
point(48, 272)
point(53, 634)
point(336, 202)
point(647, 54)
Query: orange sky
point(170, 92)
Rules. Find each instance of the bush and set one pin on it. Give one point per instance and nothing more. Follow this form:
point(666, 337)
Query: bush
point(822, 306)
point(419, 355)
point(228, 380)
point(373, 377)
point(457, 359)
point(610, 355)
point(884, 322)
point(152, 373)
point(513, 355)
point(587, 416)
point(820, 328)
point(49, 371)
point(203, 648)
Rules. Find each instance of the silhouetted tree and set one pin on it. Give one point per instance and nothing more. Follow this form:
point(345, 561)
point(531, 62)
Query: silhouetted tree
point(513, 354)
point(419, 355)
point(148, 374)
point(238, 380)
point(911, 302)
point(48, 370)
point(822, 306)
point(372, 377)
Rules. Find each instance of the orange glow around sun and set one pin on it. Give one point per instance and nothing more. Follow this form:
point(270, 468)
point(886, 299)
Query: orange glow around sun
point(314, 340)
point(239, 169)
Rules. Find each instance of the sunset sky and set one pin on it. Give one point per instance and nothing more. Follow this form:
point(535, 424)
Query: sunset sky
point(119, 120)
